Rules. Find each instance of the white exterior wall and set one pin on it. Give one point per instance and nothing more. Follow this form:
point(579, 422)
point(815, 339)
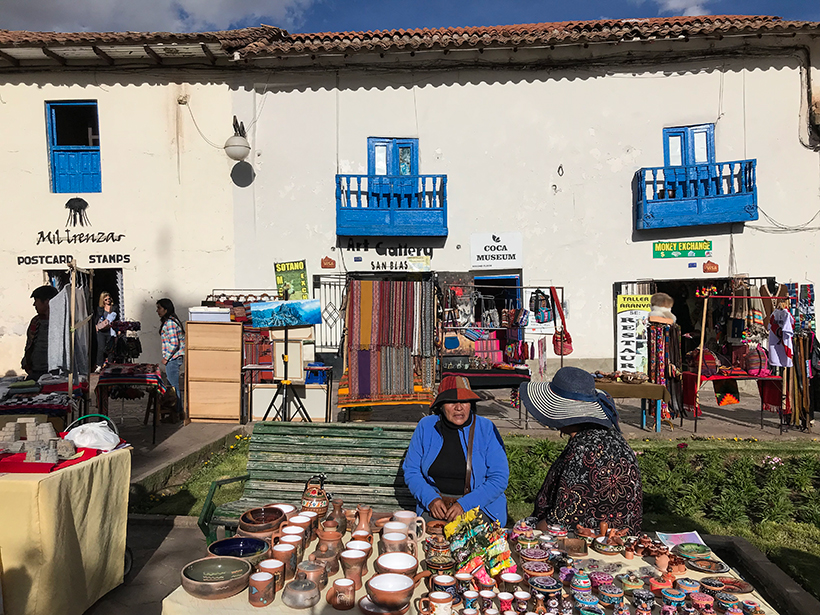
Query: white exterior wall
point(163, 187)
point(501, 136)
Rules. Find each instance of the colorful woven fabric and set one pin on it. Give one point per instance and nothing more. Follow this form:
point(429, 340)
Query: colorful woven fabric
point(726, 392)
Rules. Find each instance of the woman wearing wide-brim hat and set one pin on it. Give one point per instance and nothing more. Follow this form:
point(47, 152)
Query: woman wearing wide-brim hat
point(456, 459)
point(596, 478)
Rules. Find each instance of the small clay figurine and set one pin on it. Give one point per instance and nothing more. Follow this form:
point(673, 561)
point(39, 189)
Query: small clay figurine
point(629, 551)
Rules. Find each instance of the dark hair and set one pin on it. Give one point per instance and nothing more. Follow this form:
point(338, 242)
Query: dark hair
point(168, 305)
point(44, 293)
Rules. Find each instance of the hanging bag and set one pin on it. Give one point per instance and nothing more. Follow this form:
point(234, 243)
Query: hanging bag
point(562, 340)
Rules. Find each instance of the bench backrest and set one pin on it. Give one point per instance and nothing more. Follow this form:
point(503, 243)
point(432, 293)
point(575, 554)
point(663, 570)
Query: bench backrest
point(362, 462)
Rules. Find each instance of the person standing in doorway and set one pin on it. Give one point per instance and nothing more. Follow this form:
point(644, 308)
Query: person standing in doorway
point(106, 314)
point(35, 356)
point(172, 335)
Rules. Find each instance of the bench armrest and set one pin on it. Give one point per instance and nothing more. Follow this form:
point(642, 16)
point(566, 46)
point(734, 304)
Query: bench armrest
point(209, 507)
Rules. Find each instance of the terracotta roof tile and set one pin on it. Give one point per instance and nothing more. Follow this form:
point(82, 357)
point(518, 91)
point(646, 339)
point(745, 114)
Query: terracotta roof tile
point(524, 34)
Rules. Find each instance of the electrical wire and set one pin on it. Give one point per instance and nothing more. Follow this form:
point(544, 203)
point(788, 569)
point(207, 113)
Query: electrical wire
point(780, 228)
point(201, 134)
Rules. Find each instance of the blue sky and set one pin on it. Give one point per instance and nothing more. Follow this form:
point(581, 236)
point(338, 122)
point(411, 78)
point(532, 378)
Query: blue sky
point(346, 15)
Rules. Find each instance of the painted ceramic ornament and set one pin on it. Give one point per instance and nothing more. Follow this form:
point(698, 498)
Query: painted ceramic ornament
point(630, 582)
point(657, 584)
point(580, 582)
point(711, 586)
point(314, 498)
point(534, 555)
point(545, 587)
point(565, 575)
point(600, 578)
point(591, 610)
point(749, 606)
point(610, 595)
point(687, 585)
point(643, 598)
point(558, 531)
point(692, 550)
point(584, 600)
point(673, 597)
point(724, 601)
point(733, 585)
point(709, 566)
point(536, 569)
point(701, 600)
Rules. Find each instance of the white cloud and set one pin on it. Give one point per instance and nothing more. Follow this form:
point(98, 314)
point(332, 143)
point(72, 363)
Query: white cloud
point(678, 7)
point(149, 15)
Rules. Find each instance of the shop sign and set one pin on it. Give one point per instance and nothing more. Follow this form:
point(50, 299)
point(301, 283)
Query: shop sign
point(386, 255)
point(710, 267)
point(682, 249)
point(328, 263)
point(45, 259)
point(292, 277)
point(496, 251)
point(633, 332)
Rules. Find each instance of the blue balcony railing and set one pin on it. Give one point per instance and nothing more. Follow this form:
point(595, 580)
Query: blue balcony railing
point(391, 205)
point(713, 193)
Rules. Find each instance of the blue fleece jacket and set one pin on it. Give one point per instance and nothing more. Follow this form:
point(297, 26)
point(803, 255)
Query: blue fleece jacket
point(490, 472)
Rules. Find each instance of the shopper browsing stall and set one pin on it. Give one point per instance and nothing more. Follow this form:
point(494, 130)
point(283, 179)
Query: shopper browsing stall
point(456, 459)
point(172, 336)
point(596, 478)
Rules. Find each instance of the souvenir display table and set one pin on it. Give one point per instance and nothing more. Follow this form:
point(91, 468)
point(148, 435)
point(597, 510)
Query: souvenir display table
point(139, 375)
point(492, 378)
point(51, 401)
point(62, 535)
point(645, 392)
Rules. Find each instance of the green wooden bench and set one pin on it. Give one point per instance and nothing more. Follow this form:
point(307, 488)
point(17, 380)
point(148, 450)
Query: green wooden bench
point(362, 463)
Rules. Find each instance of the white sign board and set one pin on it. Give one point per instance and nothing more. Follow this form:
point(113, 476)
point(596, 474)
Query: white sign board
point(633, 341)
point(496, 251)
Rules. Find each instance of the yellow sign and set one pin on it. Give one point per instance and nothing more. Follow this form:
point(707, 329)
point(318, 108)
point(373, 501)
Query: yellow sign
point(633, 302)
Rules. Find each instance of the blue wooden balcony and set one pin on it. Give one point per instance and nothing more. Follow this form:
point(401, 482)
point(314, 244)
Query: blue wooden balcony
point(391, 205)
point(713, 193)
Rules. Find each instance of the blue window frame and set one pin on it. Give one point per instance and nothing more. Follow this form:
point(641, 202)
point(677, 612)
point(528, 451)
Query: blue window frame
point(74, 146)
point(392, 169)
point(688, 146)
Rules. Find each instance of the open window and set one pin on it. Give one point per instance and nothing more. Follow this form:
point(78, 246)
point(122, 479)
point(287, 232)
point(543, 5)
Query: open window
point(74, 146)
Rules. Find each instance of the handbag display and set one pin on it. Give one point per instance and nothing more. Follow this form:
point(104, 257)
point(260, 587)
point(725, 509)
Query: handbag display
point(562, 340)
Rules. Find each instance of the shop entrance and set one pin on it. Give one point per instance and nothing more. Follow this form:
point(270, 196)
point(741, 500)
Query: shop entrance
point(493, 295)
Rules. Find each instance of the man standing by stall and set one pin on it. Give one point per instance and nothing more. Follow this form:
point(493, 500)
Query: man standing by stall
point(35, 357)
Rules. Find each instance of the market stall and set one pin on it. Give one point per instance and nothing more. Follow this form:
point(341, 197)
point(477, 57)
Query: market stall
point(63, 535)
point(137, 376)
point(467, 564)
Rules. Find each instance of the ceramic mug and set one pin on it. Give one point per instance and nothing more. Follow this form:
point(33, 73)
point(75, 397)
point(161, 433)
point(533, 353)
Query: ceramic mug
point(510, 581)
point(464, 582)
point(413, 521)
point(393, 541)
point(469, 612)
point(314, 522)
point(286, 554)
point(491, 611)
point(295, 530)
point(262, 589)
point(395, 527)
point(487, 597)
point(353, 562)
point(362, 535)
point(342, 595)
point(296, 541)
point(470, 599)
point(522, 600)
point(277, 569)
point(445, 583)
point(435, 603)
point(363, 546)
point(505, 601)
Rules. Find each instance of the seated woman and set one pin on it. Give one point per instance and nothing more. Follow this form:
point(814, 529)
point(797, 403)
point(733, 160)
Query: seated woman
point(456, 459)
point(596, 478)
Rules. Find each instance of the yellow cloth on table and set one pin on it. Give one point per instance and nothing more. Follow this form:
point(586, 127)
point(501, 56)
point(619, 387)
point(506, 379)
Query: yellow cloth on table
point(62, 535)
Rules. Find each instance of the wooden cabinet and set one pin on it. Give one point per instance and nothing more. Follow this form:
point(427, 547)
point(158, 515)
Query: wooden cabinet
point(213, 371)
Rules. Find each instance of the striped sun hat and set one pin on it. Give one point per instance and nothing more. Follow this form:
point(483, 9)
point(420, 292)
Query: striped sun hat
point(452, 389)
point(570, 399)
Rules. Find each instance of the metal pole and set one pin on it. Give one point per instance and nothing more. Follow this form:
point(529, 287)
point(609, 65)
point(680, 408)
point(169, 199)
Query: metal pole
point(700, 358)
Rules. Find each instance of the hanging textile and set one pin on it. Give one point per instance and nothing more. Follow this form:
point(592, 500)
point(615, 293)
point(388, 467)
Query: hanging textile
point(58, 332)
point(805, 307)
point(781, 331)
point(665, 365)
point(726, 392)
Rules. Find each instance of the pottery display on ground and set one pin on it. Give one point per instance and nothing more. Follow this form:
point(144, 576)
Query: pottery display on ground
point(252, 550)
point(214, 578)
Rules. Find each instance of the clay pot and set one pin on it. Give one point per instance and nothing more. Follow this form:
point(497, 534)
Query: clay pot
point(440, 564)
point(331, 539)
point(364, 514)
point(353, 565)
point(215, 578)
point(314, 497)
point(394, 542)
point(313, 571)
point(536, 569)
point(252, 550)
point(342, 595)
point(261, 519)
point(662, 561)
point(436, 527)
point(436, 545)
point(301, 593)
point(391, 591)
point(328, 557)
point(398, 563)
point(337, 514)
point(364, 547)
point(288, 509)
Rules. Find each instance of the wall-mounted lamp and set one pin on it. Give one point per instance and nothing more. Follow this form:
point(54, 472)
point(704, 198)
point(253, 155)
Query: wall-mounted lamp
point(237, 146)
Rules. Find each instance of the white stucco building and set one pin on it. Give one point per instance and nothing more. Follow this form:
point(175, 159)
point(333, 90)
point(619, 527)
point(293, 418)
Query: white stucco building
point(535, 134)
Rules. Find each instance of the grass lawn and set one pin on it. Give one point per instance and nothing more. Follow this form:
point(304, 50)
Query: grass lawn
point(766, 492)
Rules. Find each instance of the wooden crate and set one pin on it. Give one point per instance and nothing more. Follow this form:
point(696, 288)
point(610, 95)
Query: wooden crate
point(213, 371)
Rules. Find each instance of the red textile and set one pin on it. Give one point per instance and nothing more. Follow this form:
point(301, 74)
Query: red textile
point(14, 463)
point(690, 391)
point(771, 395)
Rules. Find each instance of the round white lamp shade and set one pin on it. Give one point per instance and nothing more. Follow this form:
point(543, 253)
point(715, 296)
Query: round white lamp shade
point(237, 148)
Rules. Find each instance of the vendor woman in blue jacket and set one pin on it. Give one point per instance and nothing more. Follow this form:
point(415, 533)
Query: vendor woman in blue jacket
point(456, 459)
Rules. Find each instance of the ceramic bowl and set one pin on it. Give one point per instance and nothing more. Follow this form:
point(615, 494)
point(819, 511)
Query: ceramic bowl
point(544, 587)
point(398, 563)
point(536, 569)
point(534, 555)
point(214, 578)
point(390, 591)
point(261, 519)
point(687, 585)
point(252, 550)
point(610, 595)
point(600, 546)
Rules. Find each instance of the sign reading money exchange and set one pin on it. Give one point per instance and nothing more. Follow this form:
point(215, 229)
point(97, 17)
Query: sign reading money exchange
point(682, 249)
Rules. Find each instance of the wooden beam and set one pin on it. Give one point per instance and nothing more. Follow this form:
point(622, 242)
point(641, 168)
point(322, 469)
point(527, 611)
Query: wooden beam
point(50, 54)
point(154, 55)
point(102, 55)
point(208, 53)
point(10, 59)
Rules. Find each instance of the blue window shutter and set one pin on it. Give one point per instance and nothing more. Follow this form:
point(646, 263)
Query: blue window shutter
point(74, 168)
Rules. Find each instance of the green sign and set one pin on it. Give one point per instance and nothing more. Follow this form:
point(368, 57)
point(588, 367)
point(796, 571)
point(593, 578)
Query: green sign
point(682, 249)
point(292, 277)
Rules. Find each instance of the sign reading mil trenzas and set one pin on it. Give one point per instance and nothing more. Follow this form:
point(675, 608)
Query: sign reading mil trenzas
point(682, 249)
